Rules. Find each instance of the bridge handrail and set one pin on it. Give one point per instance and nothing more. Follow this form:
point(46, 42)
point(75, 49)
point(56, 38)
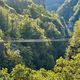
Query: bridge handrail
point(37, 40)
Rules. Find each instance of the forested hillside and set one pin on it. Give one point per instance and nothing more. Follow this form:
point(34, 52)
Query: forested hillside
point(46, 60)
point(65, 69)
point(71, 8)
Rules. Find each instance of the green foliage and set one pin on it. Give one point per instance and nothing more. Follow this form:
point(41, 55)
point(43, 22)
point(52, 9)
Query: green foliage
point(74, 46)
point(20, 73)
point(52, 31)
point(18, 5)
point(3, 19)
point(64, 70)
point(4, 75)
point(21, 21)
point(67, 68)
point(1, 33)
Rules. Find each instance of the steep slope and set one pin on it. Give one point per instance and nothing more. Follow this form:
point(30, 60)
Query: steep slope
point(49, 4)
point(21, 26)
point(33, 23)
point(58, 22)
point(67, 8)
point(76, 13)
point(71, 8)
point(52, 5)
point(18, 5)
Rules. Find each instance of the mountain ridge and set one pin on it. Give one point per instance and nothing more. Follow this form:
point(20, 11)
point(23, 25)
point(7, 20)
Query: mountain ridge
point(71, 9)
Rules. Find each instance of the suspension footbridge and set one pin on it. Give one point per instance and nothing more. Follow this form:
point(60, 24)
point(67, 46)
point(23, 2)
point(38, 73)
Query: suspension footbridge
point(35, 40)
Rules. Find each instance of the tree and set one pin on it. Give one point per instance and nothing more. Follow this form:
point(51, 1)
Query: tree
point(20, 72)
point(66, 68)
point(74, 46)
point(4, 75)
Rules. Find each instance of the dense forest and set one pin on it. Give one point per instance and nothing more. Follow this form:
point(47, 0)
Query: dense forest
point(56, 57)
